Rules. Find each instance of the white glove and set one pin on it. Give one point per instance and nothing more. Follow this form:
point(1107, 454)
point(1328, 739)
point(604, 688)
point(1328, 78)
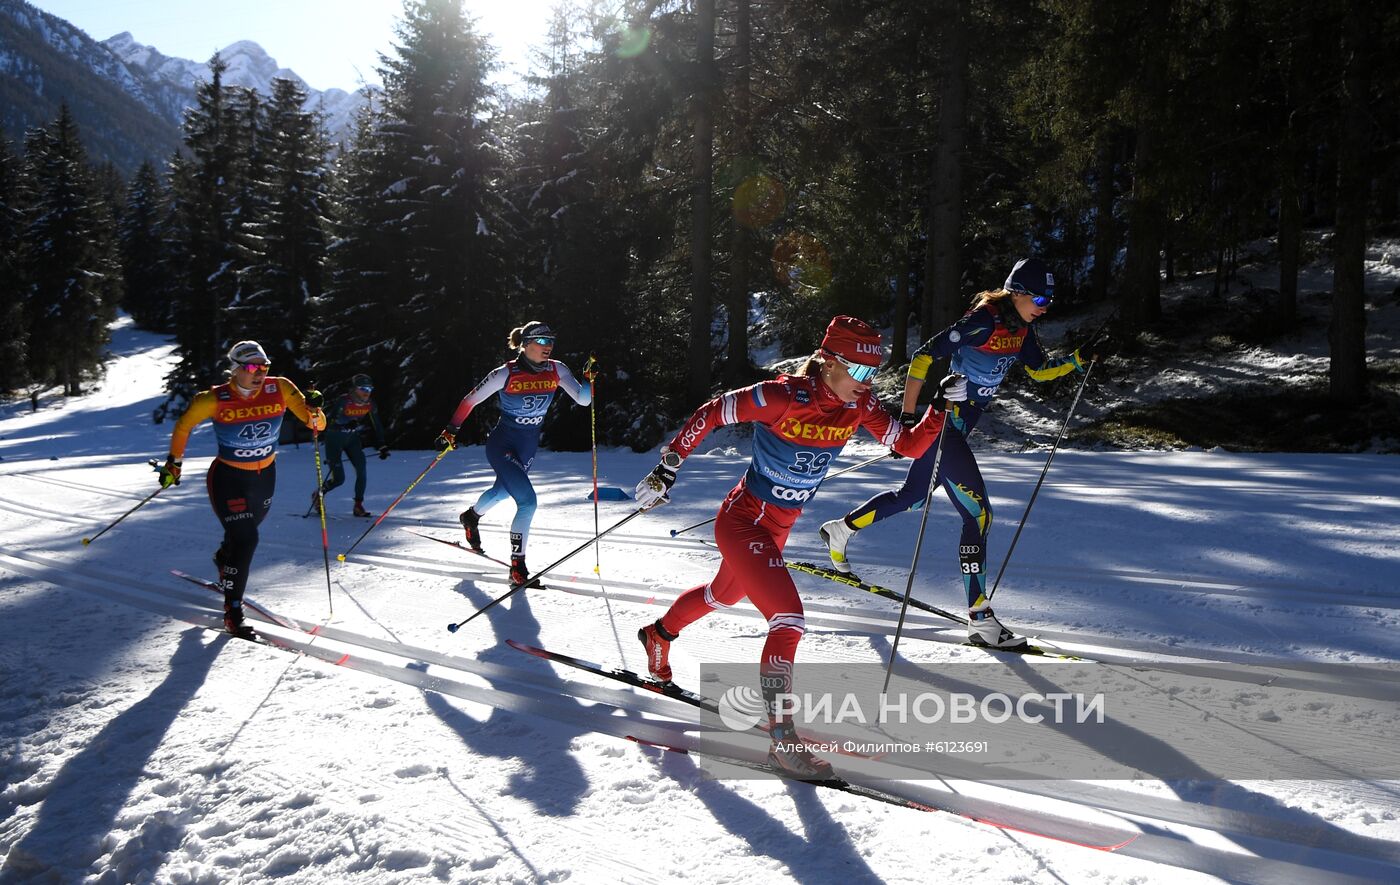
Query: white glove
point(652, 490)
point(953, 388)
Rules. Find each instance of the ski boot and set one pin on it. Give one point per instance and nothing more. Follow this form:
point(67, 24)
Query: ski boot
point(790, 756)
point(657, 642)
point(836, 535)
point(233, 621)
point(360, 509)
point(985, 631)
point(520, 573)
point(469, 519)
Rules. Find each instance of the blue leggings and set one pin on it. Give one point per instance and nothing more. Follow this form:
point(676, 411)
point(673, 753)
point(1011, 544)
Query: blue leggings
point(962, 480)
point(510, 453)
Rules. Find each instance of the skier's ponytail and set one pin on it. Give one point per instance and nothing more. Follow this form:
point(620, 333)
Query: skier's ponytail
point(812, 368)
point(517, 335)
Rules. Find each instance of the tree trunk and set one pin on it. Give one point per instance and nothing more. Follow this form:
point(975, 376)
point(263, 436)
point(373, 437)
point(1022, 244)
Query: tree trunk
point(1146, 231)
point(899, 249)
point(1105, 224)
point(702, 118)
point(943, 263)
point(1290, 235)
point(1346, 333)
point(741, 241)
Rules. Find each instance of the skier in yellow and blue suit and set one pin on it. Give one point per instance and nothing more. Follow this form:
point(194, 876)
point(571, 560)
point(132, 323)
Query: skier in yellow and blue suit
point(247, 413)
point(993, 336)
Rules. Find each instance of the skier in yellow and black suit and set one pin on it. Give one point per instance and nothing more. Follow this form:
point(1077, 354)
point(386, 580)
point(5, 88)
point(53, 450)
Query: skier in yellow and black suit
point(247, 414)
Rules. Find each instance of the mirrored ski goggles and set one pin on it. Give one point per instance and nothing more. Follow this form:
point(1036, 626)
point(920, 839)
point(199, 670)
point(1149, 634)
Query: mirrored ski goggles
point(367, 388)
point(254, 368)
point(859, 372)
point(540, 340)
point(1038, 300)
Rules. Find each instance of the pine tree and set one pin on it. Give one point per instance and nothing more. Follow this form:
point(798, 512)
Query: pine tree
point(348, 331)
point(67, 259)
point(440, 135)
point(574, 267)
point(285, 244)
point(206, 194)
point(141, 253)
point(13, 336)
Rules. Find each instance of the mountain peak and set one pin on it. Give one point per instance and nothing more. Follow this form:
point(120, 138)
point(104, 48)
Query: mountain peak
point(248, 48)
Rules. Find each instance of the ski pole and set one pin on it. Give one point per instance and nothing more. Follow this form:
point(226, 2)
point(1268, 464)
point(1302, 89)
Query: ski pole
point(431, 465)
point(590, 369)
point(321, 505)
point(918, 544)
point(144, 501)
point(833, 475)
point(453, 628)
point(1063, 427)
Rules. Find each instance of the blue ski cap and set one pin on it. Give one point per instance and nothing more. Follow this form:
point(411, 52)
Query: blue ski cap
point(1032, 277)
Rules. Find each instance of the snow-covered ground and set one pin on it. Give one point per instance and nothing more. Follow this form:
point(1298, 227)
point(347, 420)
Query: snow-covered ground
point(142, 745)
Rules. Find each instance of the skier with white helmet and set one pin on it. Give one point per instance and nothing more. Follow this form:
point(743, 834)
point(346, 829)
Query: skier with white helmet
point(247, 412)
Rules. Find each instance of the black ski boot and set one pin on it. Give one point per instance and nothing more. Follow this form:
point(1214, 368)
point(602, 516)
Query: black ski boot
point(520, 573)
point(469, 519)
point(233, 621)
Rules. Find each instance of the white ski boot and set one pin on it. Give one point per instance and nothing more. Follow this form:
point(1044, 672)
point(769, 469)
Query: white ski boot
point(984, 630)
point(836, 535)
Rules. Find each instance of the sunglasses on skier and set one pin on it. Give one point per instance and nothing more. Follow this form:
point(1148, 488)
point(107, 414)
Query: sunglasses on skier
point(367, 388)
point(859, 372)
point(254, 368)
point(1038, 300)
point(543, 342)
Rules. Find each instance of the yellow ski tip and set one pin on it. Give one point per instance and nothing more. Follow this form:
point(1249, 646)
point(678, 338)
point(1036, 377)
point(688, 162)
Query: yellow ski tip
point(340, 557)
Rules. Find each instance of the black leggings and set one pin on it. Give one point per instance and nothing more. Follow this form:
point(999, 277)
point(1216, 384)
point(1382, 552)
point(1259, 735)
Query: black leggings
point(241, 499)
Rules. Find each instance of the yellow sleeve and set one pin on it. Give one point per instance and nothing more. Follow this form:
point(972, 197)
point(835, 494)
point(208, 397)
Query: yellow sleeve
point(200, 410)
point(918, 367)
point(296, 404)
point(1053, 369)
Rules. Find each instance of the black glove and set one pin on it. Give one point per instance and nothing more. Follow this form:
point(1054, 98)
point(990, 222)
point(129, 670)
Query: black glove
point(383, 452)
point(446, 440)
point(170, 473)
point(908, 419)
point(315, 399)
point(1094, 352)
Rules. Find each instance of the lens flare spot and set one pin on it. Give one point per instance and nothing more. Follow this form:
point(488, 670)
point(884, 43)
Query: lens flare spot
point(758, 200)
point(801, 262)
point(633, 42)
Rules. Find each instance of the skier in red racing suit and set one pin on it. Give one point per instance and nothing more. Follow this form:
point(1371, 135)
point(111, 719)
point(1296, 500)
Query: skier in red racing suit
point(802, 423)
